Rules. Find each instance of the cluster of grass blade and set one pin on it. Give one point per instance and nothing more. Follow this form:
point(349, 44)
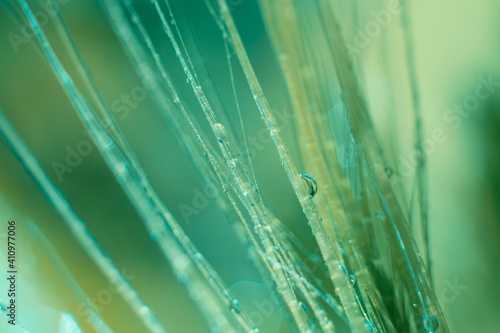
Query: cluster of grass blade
point(375, 226)
point(378, 282)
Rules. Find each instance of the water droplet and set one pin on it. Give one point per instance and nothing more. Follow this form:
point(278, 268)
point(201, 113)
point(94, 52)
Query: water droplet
point(205, 152)
point(181, 263)
point(353, 278)
point(303, 306)
point(276, 248)
point(198, 255)
point(233, 163)
point(343, 268)
point(328, 324)
point(144, 310)
point(155, 235)
point(414, 305)
point(311, 184)
point(431, 323)
point(122, 173)
point(110, 145)
point(389, 172)
point(220, 132)
point(251, 193)
point(235, 306)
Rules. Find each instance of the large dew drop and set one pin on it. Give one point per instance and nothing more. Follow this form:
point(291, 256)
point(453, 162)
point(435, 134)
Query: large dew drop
point(431, 323)
point(302, 306)
point(311, 184)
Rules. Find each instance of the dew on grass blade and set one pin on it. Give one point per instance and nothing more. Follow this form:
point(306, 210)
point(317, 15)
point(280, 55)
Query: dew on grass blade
point(235, 306)
point(121, 178)
point(233, 163)
point(389, 172)
point(251, 193)
point(431, 323)
point(220, 132)
point(144, 310)
point(311, 184)
point(343, 268)
point(302, 306)
point(110, 145)
point(155, 235)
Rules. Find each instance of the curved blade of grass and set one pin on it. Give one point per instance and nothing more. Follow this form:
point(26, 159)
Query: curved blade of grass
point(77, 227)
point(94, 319)
point(419, 135)
point(173, 243)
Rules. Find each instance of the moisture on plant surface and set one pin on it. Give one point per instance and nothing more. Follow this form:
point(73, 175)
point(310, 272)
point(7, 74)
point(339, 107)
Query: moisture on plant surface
point(230, 166)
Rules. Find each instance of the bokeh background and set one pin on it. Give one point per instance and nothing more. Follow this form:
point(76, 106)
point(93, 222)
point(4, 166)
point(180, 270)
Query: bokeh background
point(456, 46)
